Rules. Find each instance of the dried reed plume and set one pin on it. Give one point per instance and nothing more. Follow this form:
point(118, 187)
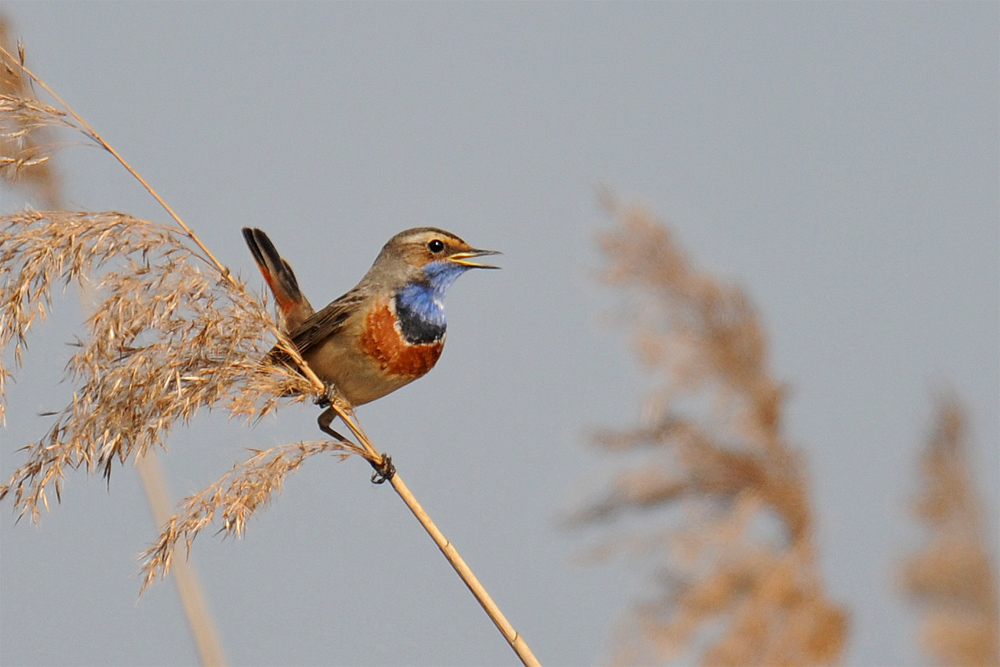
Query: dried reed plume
point(169, 335)
point(953, 578)
point(236, 495)
point(25, 136)
point(172, 331)
point(18, 160)
point(741, 594)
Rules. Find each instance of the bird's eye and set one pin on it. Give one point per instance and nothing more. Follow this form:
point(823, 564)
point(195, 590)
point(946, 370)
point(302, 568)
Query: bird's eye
point(435, 246)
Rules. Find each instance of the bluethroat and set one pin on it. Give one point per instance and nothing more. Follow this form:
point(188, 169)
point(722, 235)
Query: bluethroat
point(387, 331)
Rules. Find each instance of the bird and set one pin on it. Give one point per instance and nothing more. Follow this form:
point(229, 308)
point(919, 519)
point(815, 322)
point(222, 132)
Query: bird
point(385, 332)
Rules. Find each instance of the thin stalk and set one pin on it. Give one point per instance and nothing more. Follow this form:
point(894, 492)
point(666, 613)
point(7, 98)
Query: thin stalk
point(206, 637)
point(92, 133)
point(515, 640)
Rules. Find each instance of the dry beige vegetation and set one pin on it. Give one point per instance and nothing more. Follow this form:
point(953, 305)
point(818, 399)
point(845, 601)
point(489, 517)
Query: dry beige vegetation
point(953, 578)
point(726, 526)
point(729, 468)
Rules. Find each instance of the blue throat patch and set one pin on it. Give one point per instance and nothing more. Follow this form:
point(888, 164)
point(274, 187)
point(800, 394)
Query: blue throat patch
point(420, 303)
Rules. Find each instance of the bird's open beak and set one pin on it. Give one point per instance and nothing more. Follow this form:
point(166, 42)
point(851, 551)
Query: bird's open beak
point(463, 258)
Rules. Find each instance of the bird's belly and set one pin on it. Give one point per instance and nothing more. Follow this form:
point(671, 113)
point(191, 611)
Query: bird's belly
point(380, 361)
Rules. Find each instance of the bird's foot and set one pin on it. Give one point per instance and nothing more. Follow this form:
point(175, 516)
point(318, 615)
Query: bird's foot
point(384, 470)
point(328, 396)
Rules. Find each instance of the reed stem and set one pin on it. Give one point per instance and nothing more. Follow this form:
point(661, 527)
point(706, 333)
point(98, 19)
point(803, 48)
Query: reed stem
point(451, 554)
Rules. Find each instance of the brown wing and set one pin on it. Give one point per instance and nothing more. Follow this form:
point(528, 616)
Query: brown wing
point(327, 322)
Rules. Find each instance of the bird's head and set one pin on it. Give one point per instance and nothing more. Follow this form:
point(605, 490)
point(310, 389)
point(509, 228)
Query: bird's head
point(427, 254)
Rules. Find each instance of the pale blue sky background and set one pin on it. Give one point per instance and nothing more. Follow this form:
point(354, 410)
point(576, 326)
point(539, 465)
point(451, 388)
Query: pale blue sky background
point(840, 161)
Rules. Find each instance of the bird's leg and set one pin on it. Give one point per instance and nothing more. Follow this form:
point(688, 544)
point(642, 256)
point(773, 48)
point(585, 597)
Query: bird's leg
point(384, 469)
point(325, 419)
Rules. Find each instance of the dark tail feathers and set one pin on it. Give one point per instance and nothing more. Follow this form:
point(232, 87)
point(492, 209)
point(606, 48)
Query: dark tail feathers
point(280, 278)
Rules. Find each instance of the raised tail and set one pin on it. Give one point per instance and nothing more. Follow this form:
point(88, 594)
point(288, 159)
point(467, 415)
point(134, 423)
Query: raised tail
point(280, 278)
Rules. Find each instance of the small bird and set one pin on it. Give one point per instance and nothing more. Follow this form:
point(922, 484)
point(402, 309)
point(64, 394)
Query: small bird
point(387, 331)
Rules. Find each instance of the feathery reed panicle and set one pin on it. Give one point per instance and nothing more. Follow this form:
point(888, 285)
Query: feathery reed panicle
point(173, 330)
point(739, 578)
point(169, 335)
point(25, 148)
point(235, 496)
point(953, 578)
point(25, 135)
